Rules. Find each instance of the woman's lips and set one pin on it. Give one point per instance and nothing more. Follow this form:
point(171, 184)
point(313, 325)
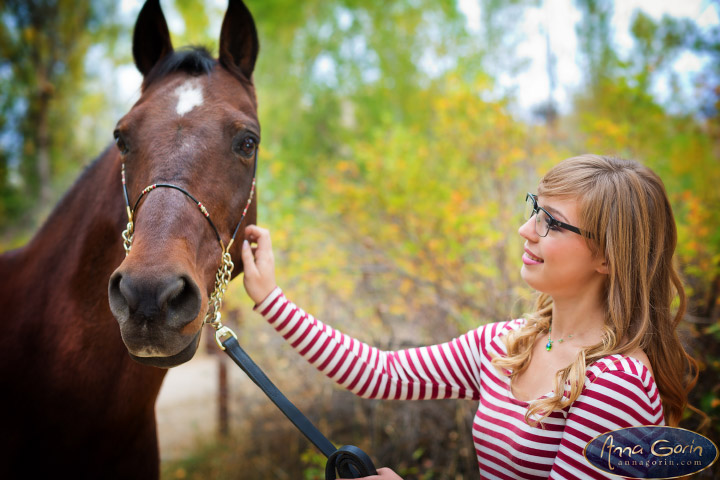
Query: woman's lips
point(529, 259)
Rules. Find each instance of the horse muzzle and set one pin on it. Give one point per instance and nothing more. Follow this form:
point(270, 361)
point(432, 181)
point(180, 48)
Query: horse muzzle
point(159, 315)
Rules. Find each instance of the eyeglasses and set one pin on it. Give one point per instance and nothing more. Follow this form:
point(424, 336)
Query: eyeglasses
point(544, 222)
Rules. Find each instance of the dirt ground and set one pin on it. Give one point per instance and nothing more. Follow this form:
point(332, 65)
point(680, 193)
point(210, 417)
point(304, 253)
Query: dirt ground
point(187, 407)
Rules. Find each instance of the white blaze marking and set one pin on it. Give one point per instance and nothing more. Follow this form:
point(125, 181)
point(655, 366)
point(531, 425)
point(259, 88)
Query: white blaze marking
point(189, 96)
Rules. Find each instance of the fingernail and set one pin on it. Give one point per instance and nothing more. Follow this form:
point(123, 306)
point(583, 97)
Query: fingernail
point(246, 244)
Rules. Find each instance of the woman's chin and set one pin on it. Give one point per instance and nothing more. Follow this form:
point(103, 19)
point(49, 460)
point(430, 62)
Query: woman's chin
point(530, 279)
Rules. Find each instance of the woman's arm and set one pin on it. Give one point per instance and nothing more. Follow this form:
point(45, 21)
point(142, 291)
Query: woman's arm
point(449, 370)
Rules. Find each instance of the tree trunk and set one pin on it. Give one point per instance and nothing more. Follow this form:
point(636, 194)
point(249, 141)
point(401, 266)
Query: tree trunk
point(43, 167)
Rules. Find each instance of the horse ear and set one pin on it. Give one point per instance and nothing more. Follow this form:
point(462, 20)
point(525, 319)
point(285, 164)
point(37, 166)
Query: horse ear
point(238, 40)
point(151, 39)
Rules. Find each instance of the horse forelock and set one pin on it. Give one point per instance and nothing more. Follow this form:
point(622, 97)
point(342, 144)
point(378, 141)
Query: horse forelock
point(195, 61)
point(191, 60)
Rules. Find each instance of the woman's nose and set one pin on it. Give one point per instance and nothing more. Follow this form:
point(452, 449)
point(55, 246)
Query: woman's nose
point(527, 230)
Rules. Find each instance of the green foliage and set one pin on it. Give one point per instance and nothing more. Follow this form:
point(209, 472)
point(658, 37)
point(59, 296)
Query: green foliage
point(315, 465)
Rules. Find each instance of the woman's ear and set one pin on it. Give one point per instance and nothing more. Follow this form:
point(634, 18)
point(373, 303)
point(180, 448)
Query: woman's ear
point(602, 268)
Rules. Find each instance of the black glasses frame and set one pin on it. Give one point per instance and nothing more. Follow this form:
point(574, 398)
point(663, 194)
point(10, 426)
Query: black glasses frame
point(552, 221)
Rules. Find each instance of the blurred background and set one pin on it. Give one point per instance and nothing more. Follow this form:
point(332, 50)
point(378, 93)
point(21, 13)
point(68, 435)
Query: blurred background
point(398, 141)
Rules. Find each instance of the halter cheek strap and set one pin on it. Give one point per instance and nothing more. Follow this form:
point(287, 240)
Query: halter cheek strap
point(222, 277)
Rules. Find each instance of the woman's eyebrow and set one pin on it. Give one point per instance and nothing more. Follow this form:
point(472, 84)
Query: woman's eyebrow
point(556, 213)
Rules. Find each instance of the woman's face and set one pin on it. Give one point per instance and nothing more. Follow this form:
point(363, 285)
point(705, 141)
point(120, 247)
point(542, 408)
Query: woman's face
point(559, 264)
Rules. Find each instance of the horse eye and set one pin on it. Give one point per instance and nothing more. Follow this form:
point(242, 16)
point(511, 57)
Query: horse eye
point(246, 146)
point(120, 143)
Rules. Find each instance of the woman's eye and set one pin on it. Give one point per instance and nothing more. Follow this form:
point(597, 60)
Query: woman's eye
point(120, 143)
point(551, 223)
point(246, 146)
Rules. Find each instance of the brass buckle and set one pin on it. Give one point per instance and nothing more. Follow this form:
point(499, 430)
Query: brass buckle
point(223, 333)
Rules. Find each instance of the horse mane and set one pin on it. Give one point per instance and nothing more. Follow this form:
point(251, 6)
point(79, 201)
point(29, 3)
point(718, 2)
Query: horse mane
point(192, 60)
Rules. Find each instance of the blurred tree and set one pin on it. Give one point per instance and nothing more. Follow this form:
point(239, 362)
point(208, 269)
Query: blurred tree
point(708, 44)
point(43, 51)
point(594, 33)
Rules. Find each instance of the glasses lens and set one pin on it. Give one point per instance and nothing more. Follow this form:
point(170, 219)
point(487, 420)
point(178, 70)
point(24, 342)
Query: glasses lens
point(542, 223)
point(529, 206)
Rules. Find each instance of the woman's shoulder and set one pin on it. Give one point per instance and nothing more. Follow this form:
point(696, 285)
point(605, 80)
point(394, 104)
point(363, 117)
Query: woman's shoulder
point(492, 334)
point(627, 369)
point(622, 389)
point(491, 331)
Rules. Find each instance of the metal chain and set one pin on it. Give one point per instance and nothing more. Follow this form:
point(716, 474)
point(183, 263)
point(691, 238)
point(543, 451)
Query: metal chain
point(222, 278)
point(128, 234)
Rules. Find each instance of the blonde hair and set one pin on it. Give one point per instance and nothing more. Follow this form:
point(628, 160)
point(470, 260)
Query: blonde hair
point(625, 211)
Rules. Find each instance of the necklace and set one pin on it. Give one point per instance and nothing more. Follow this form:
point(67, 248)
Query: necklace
point(549, 344)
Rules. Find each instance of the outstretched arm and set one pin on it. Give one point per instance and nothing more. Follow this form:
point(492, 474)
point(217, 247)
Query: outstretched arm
point(449, 370)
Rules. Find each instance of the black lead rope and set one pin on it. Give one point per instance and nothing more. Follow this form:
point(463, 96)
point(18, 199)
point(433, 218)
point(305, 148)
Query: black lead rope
point(347, 461)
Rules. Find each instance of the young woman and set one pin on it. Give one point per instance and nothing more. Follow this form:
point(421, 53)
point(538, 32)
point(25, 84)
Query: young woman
point(600, 351)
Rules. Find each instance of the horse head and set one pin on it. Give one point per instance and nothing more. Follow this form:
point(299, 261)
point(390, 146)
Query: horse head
point(194, 130)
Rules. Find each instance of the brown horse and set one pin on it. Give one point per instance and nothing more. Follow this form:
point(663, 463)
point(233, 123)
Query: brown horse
point(74, 402)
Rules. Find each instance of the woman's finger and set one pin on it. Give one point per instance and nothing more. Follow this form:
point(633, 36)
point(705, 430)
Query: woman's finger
point(248, 259)
point(383, 474)
point(263, 251)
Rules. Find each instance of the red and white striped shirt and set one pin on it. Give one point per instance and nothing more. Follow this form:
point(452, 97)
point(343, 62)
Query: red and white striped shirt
point(619, 392)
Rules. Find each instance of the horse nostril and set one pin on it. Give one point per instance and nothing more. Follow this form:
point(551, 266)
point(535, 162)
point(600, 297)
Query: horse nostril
point(120, 296)
point(183, 301)
point(128, 292)
point(168, 292)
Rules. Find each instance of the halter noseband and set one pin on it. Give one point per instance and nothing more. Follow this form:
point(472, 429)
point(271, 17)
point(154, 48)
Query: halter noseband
point(222, 277)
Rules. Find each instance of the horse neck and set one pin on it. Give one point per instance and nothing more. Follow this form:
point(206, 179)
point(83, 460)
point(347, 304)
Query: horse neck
point(54, 303)
point(88, 221)
point(79, 245)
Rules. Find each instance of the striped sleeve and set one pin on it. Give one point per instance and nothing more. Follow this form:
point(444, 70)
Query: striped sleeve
point(448, 370)
point(619, 397)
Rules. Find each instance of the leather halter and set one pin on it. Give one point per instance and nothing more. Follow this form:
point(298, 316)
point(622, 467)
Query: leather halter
point(222, 277)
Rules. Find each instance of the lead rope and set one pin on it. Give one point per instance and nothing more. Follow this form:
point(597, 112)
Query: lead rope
point(348, 461)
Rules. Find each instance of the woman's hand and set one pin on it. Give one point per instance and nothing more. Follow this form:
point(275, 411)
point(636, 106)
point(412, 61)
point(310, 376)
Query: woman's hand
point(383, 474)
point(258, 263)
